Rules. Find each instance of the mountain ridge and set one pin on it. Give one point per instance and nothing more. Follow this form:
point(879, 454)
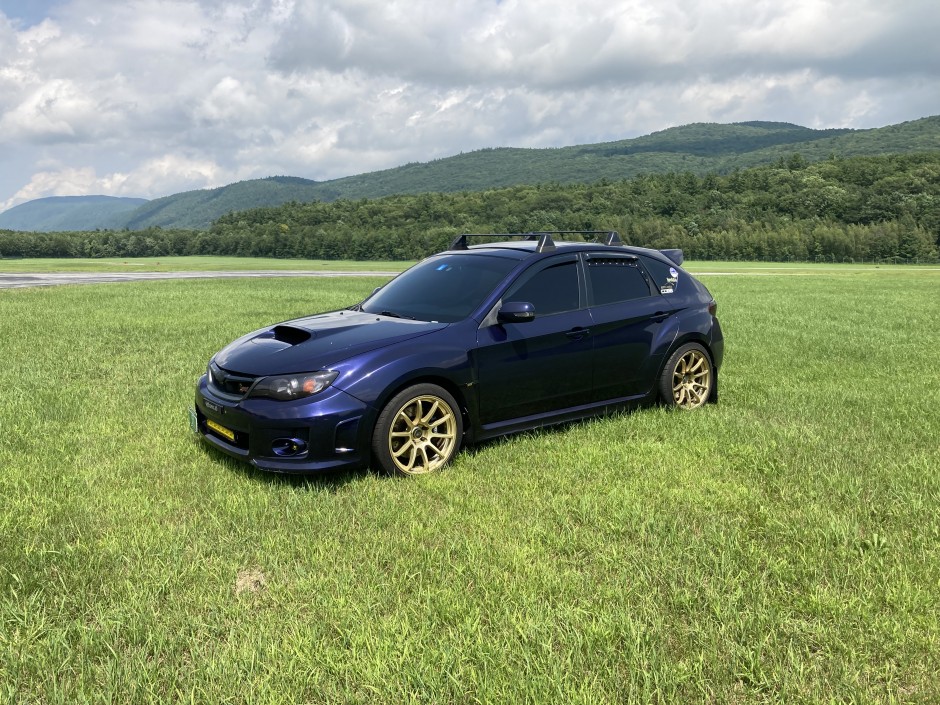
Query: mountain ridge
point(699, 148)
point(53, 213)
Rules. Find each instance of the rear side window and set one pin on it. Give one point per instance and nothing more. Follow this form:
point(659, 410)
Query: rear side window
point(665, 275)
point(551, 290)
point(615, 279)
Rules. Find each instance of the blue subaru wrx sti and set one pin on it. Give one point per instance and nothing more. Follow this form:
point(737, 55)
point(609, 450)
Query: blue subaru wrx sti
point(472, 343)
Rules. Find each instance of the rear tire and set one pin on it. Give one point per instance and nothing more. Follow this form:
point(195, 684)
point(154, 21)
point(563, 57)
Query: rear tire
point(418, 432)
point(688, 379)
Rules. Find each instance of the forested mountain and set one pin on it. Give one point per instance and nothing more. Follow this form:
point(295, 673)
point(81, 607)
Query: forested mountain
point(197, 209)
point(837, 209)
point(70, 213)
point(697, 149)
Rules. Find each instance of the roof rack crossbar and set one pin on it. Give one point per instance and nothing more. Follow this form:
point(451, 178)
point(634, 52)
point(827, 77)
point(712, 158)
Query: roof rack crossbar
point(544, 238)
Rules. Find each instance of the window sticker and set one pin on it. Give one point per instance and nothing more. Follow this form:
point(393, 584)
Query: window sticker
point(666, 289)
point(673, 278)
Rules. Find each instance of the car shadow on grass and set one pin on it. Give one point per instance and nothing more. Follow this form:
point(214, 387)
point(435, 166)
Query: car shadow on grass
point(322, 481)
point(333, 480)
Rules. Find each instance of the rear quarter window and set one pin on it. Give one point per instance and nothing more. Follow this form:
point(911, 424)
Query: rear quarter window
point(667, 277)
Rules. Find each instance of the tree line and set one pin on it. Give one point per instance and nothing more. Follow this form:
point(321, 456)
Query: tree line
point(839, 209)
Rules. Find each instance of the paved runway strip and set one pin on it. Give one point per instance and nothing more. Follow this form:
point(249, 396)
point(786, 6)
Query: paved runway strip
point(20, 281)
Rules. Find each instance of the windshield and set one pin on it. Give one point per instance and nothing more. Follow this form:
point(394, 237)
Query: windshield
point(446, 288)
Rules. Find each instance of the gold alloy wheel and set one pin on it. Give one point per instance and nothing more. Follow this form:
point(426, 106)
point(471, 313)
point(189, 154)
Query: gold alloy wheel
point(692, 379)
point(423, 435)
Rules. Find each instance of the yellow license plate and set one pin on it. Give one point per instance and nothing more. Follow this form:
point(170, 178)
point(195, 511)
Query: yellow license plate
point(221, 430)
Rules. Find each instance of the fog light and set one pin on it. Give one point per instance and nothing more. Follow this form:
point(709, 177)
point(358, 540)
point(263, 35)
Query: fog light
point(289, 447)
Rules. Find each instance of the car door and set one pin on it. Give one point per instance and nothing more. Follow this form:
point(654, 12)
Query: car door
point(628, 315)
point(543, 365)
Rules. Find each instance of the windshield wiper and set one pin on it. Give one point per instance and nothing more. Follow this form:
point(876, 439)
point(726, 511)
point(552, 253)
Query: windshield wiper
point(392, 314)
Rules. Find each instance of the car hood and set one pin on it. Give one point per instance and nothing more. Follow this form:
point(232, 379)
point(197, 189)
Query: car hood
point(316, 342)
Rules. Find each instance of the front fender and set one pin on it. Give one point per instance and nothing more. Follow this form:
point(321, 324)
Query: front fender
point(442, 355)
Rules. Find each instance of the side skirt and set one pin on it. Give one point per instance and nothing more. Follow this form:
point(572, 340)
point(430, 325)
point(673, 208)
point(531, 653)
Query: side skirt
point(575, 413)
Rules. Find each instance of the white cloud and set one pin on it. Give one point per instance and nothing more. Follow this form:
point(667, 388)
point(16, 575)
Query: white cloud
point(176, 172)
point(60, 110)
point(64, 182)
point(231, 100)
point(160, 96)
point(161, 175)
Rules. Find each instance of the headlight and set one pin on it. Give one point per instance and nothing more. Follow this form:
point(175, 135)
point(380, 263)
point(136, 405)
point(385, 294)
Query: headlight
point(289, 387)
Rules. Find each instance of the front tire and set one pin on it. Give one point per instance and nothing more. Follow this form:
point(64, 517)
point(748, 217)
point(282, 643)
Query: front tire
point(688, 378)
point(418, 432)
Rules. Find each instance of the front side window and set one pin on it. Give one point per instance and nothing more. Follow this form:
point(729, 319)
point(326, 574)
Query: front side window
point(553, 289)
point(615, 279)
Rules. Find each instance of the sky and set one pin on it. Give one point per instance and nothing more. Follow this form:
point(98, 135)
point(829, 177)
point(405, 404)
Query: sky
point(147, 98)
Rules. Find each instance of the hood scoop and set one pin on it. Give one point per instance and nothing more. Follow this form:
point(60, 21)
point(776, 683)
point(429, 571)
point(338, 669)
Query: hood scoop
point(281, 337)
point(291, 335)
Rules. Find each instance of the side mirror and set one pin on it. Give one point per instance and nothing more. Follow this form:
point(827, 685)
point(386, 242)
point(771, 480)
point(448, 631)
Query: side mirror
point(516, 312)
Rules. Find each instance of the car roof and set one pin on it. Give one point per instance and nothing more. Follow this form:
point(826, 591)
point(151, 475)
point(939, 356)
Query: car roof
point(522, 249)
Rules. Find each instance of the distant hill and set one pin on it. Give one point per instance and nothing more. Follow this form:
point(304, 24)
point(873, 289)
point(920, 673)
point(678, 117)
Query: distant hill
point(58, 213)
point(197, 209)
point(699, 148)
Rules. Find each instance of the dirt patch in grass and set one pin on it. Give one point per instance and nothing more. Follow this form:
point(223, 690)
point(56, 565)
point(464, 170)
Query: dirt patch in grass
point(250, 580)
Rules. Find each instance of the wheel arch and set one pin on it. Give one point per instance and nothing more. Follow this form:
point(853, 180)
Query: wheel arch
point(425, 377)
point(684, 339)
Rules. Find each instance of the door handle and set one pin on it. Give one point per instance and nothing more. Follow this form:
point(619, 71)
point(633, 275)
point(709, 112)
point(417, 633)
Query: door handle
point(660, 316)
point(578, 333)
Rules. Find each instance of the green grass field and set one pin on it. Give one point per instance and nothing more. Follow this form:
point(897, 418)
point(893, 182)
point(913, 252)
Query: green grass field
point(782, 546)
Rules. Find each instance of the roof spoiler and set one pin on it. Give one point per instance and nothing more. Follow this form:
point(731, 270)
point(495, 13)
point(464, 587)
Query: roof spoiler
point(675, 255)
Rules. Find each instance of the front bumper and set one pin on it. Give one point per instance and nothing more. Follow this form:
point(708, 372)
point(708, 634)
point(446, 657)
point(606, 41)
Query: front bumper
point(333, 429)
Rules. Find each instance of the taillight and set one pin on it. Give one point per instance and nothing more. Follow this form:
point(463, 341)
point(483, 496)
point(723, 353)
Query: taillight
point(713, 307)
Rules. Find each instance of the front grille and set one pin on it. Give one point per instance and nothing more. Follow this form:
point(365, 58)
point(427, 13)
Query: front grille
point(230, 384)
